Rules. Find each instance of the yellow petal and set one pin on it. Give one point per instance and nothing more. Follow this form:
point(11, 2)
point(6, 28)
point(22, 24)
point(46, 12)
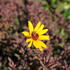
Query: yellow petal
point(25, 33)
point(37, 26)
point(42, 44)
point(28, 40)
point(40, 48)
point(29, 45)
point(37, 45)
point(44, 37)
point(42, 31)
point(30, 26)
point(41, 27)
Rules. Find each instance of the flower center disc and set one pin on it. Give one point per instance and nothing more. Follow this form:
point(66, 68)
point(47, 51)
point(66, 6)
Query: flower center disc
point(34, 36)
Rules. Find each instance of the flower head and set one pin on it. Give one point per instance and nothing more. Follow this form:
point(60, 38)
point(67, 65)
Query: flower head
point(36, 35)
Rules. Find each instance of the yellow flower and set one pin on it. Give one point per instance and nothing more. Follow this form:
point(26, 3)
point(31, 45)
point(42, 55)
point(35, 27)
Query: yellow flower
point(35, 35)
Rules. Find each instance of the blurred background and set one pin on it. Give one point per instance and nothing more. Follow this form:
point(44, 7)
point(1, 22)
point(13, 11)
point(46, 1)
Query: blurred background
point(14, 16)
